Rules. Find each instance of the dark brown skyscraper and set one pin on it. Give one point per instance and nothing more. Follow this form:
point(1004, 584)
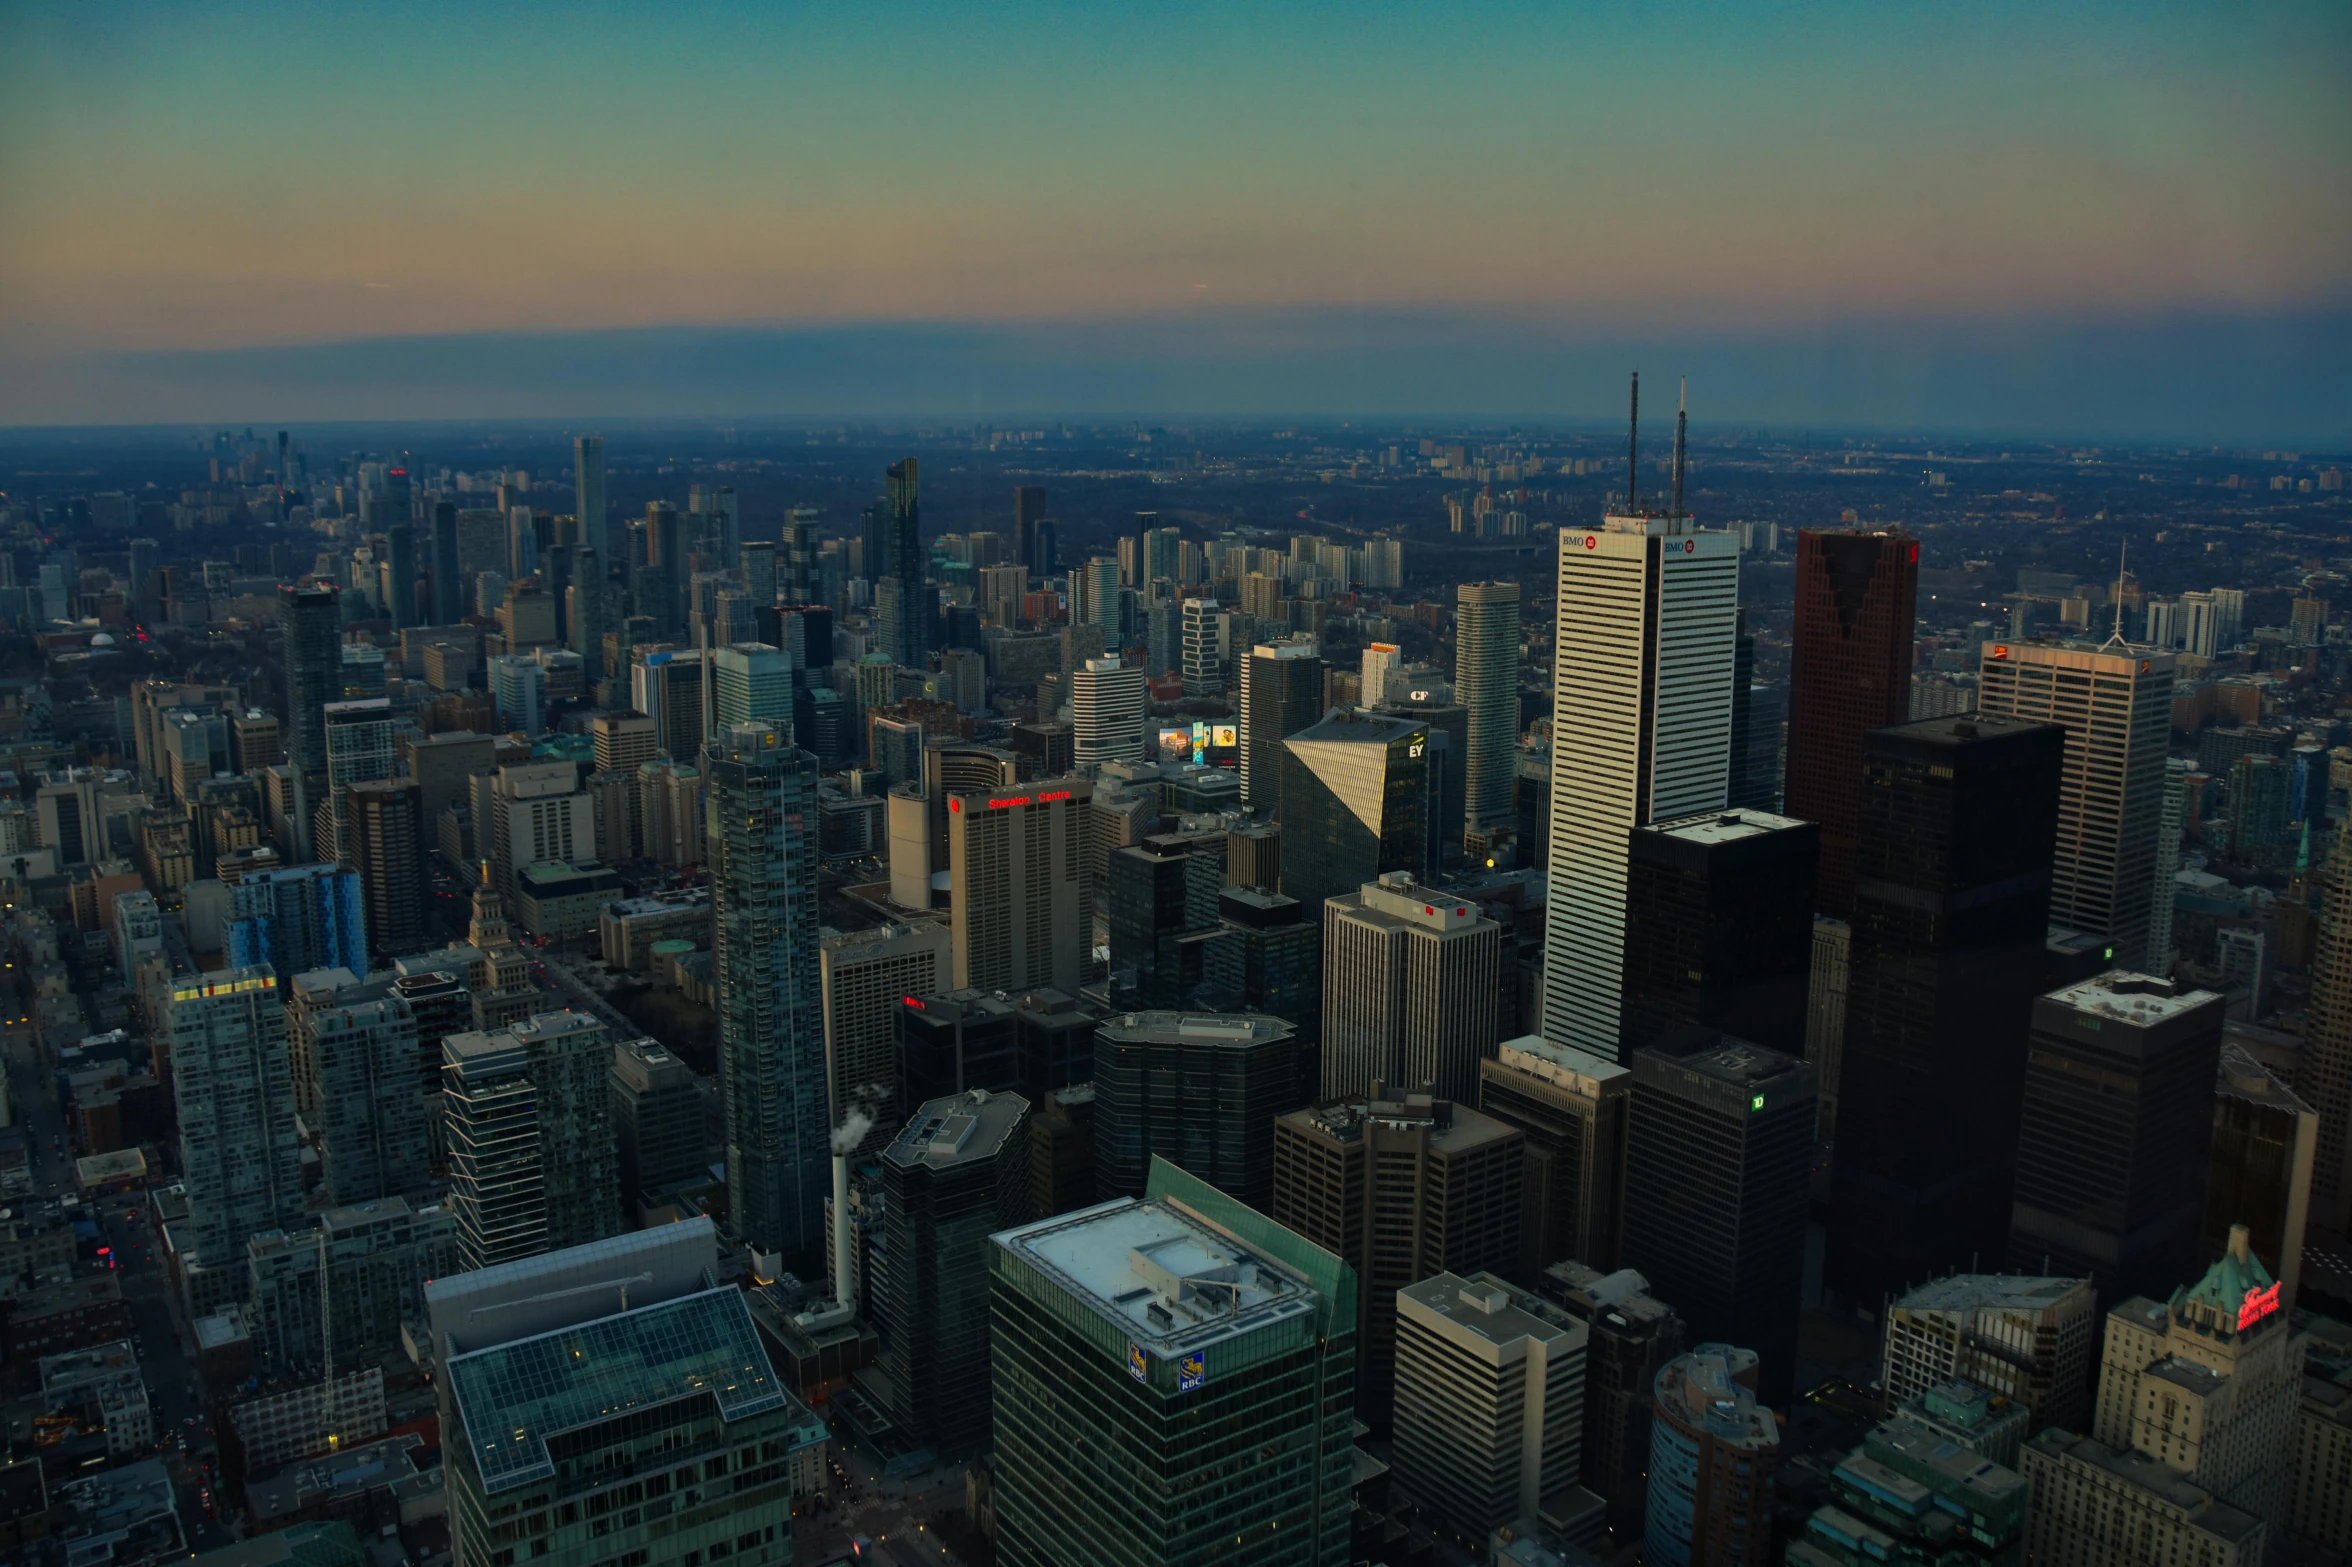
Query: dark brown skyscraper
point(1849, 673)
point(1028, 512)
point(385, 851)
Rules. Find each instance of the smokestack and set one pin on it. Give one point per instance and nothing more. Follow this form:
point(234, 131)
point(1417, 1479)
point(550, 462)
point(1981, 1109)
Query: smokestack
point(842, 1293)
point(1633, 451)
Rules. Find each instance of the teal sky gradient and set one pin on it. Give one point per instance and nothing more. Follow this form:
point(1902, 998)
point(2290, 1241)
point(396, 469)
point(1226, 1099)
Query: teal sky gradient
point(213, 178)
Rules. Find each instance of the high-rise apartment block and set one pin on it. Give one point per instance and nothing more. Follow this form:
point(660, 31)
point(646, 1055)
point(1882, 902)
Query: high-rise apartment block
point(955, 1175)
point(1643, 677)
point(1849, 673)
point(2031, 1340)
point(296, 918)
point(1398, 1189)
point(1411, 982)
point(1281, 694)
point(1571, 1110)
point(1718, 1158)
point(532, 1157)
point(2116, 705)
point(1719, 928)
point(356, 1060)
point(1489, 1400)
point(1353, 805)
point(751, 683)
point(1486, 683)
point(1016, 862)
point(1951, 901)
point(763, 850)
point(1200, 1090)
point(2116, 1128)
point(1132, 1345)
point(240, 1153)
point(310, 622)
point(1712, 1451)
point(383, 842)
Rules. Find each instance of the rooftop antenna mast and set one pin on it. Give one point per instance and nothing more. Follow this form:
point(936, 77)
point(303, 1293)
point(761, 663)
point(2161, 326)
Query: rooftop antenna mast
point(2121, 556)
point(1633, 451)
point(1681, 431)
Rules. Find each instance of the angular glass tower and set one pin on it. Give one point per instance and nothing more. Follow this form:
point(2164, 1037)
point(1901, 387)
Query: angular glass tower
point(1174, 1383)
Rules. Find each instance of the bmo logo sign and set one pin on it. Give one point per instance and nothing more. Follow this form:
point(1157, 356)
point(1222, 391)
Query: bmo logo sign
point(1591, 543)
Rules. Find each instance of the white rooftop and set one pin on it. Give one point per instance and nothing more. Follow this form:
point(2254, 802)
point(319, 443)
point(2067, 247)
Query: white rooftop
point(1170, 1282)
point(2133, 998)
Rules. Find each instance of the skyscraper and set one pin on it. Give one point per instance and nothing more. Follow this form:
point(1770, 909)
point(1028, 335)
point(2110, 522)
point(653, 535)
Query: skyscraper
point(751, 683)
point(1718, 1161)
point(1719, 927)
point(863, 975)
point(1632, 1335)
point(383, 831)
point(2030, 1340)
point(1162, 896)
point(1398, 1188)
point(1200, 1090)
point(1028, 512)
point(296, 918)
point(1486, 683)
point(1957, 827)
point(449, 597)
point(2264, 1138)
point(955, 1175)
point(588, 491)
point(657, 1120)
point(1281, 694)
point(1643, 680)
point(797, 572)
point(1016, 875)
point(1489, 1400)
point(584, 615)
point(763, 858)
point(356, 1056)
point(240, 1151)
point(359, 750)
point(2116, 705)
point(1849, 673)
point(2116, 1129)
point(497, 1178)
point(899, 592)
point(1571, 1108)
point(1208, 641)
point(400, 573)
point(1411, 982)
point(1130, 1344)
point(1712, 1449)
point(1106, 712)
point(1353, 804)
point(310, 627)
point(2326, 1080)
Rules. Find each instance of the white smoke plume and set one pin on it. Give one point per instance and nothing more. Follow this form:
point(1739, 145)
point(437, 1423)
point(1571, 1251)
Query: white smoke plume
point(852, 1131)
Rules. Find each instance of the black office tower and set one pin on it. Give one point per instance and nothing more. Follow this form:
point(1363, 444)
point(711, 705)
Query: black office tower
point(954, 1043)
point(1719, 928)
point(1957, 829)
point(2117, 1129)
point(449, 590)
point(1198, 1089)
point(956, 1174)
point(310, 626)
point(1028, 513)
point(1163, 909)
point(1718, 1160)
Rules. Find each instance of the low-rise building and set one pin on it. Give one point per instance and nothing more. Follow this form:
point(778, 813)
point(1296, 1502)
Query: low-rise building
point(108, 1376)
point(555, 901)
point(1908, 1495)
point(629, 927)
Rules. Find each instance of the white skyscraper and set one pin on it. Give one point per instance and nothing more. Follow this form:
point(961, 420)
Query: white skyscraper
point(1379, 659)
point(1106, 712)
point(1641, 720)
point(2199, 619)
point(2116, 704)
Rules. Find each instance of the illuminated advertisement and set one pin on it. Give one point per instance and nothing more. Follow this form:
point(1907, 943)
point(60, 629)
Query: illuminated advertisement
point(1175, 745)
point(1225, 736)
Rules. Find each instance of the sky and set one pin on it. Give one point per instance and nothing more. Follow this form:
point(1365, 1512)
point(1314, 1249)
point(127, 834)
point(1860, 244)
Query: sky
point(2130, 216)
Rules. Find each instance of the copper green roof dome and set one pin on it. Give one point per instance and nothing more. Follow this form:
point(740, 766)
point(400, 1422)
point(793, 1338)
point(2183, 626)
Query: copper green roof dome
point(2235, 1294)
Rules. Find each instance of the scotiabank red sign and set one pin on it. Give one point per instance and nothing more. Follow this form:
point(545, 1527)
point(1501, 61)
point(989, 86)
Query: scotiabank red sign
point(2259, 1303)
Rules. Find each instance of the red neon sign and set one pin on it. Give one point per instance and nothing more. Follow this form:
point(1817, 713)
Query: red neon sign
point(955, 804)
point(2259, 1303)
point(1006, 805)
point(1058, 794)
point(912, 1002)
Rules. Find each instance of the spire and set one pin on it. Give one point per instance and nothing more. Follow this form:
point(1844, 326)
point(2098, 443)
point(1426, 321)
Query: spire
point(1633, 451)
point(2116, 641)
point(1681, 429)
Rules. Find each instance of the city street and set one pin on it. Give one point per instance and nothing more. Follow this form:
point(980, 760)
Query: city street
point(163, 1350)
